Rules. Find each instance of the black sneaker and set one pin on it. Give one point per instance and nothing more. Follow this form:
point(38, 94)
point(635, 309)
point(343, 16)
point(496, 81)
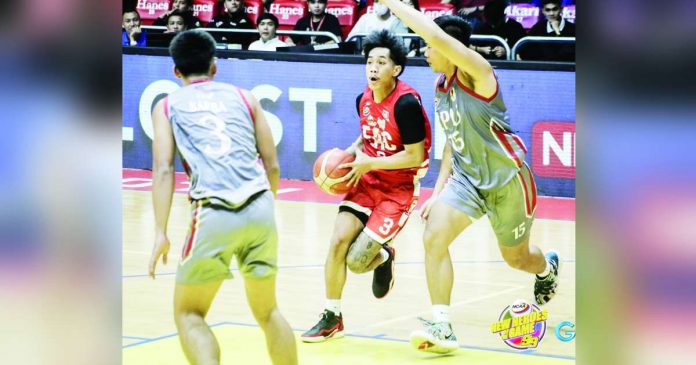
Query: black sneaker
point(545, 288)
point(383, 276)
point(329, 326)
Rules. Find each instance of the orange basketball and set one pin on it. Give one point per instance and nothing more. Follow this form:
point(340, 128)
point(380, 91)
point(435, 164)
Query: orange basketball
point(326, 173)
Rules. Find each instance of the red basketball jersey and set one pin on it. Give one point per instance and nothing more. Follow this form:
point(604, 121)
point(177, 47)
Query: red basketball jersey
point(381, 136)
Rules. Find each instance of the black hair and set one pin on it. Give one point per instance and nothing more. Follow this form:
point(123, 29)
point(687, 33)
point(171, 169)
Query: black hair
point(321, 1)
point(416, 4)
point(131, 10)
point(494, 11)
point(386, 39)
point(265, 16)
point(456, 27)
point(184, 15)
point(546, 2)
point(192, 51)
point(220, 7)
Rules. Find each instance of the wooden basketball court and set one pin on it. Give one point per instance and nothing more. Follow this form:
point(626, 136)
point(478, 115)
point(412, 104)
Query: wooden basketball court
point(376, 330)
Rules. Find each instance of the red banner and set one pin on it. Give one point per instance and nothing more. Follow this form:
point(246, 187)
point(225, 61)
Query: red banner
point(553, 149)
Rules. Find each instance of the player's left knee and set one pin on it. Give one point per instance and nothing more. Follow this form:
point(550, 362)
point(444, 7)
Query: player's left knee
point(361, 253)
point(187, 318)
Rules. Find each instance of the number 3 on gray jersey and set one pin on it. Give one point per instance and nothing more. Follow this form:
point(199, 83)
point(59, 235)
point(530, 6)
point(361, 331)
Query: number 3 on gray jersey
point(217, 130)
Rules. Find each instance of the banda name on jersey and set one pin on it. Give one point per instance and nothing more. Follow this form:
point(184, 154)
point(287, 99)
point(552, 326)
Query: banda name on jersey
point(206, 106)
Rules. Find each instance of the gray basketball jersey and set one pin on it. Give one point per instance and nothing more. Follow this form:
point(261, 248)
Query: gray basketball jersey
point(214, 133)
point(485, 151)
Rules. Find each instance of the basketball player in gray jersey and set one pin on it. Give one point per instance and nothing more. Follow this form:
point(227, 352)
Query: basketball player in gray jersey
point(482, 172)
point(220, 132)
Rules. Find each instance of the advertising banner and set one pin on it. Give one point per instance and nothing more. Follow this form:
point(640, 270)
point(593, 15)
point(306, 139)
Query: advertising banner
point(311, 108)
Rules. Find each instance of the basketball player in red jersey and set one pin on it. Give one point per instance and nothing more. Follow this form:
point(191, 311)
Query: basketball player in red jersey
point(391, 156)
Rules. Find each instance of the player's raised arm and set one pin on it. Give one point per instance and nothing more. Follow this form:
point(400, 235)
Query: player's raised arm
point(163, 146)
point(264, 142)
point(467, 60)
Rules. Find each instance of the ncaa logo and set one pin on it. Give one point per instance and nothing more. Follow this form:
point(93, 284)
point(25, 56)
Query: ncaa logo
point(519, 307)
point(366, 110)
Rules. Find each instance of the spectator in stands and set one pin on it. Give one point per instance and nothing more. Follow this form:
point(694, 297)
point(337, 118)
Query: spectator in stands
point(413, 44)
point(496, 23)
point(317, 20)
point(553, 26)
point(234, 17)
point(186, 9)
point(470, 10)
point(176, 22)
point(381, 18)
point(131, 34)
point(267, 25)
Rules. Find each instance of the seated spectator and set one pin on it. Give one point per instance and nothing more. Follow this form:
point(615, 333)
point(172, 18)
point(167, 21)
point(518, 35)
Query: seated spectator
point(317, 20)
point(131, 34)
point(413, 44)
point(234, 17)
point(267, 26)
point(496, 23)
point(176, 22)
point(470, 10)
point(553, 26)
point(267, 4)
point(382, 18)
point(186, 9)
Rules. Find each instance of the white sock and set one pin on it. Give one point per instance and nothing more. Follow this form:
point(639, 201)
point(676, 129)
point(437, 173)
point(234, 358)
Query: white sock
point(547, 270)
point(441, 313)
point(334, 305)
point(383, 254)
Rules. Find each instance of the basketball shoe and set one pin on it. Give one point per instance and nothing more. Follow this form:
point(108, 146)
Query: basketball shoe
point(436, 337)
point(545, 288)
point(330, 326)
point(383, 275)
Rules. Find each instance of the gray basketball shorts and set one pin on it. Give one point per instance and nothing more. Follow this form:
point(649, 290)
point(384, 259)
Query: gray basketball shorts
point(510, 209)
point(217, 233)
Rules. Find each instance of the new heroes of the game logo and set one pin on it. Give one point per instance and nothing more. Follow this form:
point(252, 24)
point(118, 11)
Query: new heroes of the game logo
point(521, 325)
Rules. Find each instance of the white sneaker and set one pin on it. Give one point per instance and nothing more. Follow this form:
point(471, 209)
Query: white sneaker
point(436, 337)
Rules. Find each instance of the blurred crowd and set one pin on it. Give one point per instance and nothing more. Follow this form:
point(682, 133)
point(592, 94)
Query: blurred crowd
point(502, 29)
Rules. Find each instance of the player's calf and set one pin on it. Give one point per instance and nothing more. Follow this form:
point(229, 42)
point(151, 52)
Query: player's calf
point(363, 254)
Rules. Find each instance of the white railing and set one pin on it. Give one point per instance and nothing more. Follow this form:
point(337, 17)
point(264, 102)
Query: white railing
point(254, 31)
point(485, 37)
point(477, 37)
point(534, 39)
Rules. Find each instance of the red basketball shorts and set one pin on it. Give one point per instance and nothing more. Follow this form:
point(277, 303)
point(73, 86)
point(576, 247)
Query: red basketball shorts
point(387, 206)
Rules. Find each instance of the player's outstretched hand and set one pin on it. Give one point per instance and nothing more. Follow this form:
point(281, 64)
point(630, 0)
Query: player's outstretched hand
point(359, 167)
point(160, 248)
point(425, 209)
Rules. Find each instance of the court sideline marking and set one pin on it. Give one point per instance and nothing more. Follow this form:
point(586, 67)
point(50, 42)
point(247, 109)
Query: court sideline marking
point(375, 337)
